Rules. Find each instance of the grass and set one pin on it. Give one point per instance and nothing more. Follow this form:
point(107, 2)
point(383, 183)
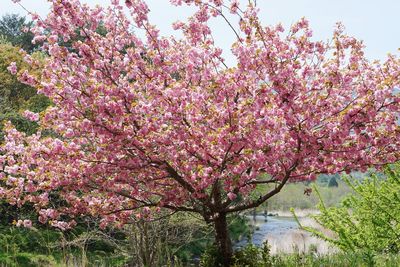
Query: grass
point(339, 259)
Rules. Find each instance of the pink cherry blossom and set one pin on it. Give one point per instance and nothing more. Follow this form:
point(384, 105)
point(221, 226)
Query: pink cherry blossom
point(12, 68)
point(24, 223)
point(31, 115)
point(231, 196)
point(27, 223)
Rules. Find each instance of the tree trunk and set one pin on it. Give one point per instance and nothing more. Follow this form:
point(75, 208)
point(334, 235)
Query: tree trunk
point(223, 240)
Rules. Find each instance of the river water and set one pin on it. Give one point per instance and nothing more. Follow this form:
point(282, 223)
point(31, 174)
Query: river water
point(283, 235)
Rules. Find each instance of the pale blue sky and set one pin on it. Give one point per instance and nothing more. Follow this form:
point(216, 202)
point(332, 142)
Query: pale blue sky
point(375, 22)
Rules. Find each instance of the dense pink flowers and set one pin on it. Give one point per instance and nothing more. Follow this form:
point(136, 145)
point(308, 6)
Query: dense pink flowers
point(31, 115)
point(163, 122)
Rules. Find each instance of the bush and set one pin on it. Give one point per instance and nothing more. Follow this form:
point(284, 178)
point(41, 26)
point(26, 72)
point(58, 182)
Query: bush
point(26, 260)
point(367, 221)
point(249, 256)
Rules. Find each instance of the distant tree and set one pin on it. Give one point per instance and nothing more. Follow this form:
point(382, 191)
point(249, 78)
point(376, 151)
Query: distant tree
point(323, 179)
point(16, 96)
point(15, 29)
point(333, 182)
point(13, 93)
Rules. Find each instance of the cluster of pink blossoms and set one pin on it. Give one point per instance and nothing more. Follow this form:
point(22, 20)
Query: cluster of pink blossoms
point(12, 68)
point(163, 122)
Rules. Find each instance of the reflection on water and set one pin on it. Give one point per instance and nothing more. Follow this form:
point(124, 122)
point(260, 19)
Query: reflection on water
point(283, 235)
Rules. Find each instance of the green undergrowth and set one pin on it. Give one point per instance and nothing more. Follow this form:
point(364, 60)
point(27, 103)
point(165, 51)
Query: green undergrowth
point(252, 256)
point(46, 246)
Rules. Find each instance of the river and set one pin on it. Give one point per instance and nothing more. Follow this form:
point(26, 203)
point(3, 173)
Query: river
point(283, 235)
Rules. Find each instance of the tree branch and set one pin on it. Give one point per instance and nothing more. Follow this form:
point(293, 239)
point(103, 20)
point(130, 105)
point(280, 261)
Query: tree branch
point(262, 199)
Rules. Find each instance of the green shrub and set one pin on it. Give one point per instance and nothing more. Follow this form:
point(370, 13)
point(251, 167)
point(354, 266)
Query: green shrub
point(367, 221)
point(249, 256)
point(26, 260)
point(210, 257)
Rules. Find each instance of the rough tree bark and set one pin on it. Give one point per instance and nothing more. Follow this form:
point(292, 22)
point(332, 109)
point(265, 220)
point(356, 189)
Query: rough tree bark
point(222, 239)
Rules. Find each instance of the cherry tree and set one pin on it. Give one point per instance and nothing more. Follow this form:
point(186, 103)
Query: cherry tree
point(143, 123)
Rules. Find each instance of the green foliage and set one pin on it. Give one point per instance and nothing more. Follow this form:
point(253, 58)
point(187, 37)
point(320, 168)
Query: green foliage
point(27, 260)
point(210, 257)
point(13, 94)
point(238, 227)
point(37, 103)
point(45, 246)
point(249, 256)
point(367, 221)
point(349, 259)
point(24, 247)
point(20, 122)
point(16, 97)
point(252, 256)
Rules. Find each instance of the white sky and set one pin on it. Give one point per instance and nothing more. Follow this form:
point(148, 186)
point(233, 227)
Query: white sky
point(375, 22)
